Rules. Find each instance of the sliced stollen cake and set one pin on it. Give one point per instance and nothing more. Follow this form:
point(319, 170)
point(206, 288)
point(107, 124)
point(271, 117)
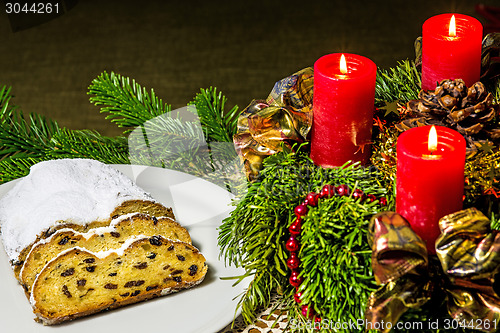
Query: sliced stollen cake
point(69, 208)
point(98, 239)
point(80, 282)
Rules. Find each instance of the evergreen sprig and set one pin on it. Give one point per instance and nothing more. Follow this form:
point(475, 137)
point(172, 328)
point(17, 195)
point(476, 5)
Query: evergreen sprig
point(495, 88)
point(16, 167)
point(88, 144)
point(166, 141)
point(20, 136)
point(218, 124)
point(25, 141)
point(401, 83)
point(160, 138)
point(171, 142)
point(336, 257)
point(128, 103)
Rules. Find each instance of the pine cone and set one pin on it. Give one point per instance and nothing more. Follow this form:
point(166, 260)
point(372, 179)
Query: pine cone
point(470, 111)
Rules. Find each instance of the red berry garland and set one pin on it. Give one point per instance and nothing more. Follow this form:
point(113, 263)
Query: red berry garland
point(293, 244)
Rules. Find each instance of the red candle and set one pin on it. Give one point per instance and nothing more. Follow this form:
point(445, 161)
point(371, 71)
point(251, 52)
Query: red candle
point(343, 104)
point(429, 178)
point(451, 51)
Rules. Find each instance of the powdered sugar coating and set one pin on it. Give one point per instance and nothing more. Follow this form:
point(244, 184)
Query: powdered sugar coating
point(78, 191)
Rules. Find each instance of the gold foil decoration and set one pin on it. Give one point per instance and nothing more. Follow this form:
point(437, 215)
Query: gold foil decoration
point(469, 261)
point(285, 117)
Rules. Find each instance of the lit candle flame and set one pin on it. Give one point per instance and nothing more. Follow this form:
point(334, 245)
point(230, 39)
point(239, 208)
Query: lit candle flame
point(452, 31)
point(343, 65)
point(433, 140)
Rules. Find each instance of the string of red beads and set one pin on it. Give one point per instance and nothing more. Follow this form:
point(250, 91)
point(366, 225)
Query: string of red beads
point(293, 243)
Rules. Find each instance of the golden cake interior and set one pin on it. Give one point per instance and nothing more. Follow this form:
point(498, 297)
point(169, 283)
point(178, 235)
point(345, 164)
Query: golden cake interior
point(80, 283)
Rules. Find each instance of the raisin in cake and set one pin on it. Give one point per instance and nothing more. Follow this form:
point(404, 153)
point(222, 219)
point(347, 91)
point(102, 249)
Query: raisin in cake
point(69, 208)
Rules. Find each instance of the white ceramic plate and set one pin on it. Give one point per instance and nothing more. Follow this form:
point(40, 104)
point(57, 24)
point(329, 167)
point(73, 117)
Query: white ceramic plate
point(198, 205)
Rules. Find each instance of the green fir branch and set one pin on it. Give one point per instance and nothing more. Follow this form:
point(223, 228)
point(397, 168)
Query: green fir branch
point(25, 141)
point(336, 230)
point(127, 102)
point(401, 83)
point(5, 97)
point(88, 144)
point(23, 136)
point(168, 132)
point(16, 167)
point(218, 125)
point(171, 143)
point(163, 139)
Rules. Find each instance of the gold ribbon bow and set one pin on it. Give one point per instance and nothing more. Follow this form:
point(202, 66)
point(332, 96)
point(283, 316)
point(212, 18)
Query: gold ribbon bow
point(468, 261)
point(284, 117)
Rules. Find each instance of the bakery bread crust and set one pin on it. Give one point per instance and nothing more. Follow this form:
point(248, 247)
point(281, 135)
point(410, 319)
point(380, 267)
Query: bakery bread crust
point(79, 282)
point(98, 239)
point(142, 206)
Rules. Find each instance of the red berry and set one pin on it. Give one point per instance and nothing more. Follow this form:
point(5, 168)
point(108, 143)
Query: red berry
point(295, 227)
point(371, 198)
point(297, 297)
point(292, 244)
point(295, 280)
point(306, 312)
point(312, 199)
point(301, 210)
point(317, 320)
point(383, 201)
point(327, 191)
point(293, 262)
point(304, 309)
point(358, 194)
point(342, 190)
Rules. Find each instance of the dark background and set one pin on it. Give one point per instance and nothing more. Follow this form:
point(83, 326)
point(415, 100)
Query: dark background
point(178, 47)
